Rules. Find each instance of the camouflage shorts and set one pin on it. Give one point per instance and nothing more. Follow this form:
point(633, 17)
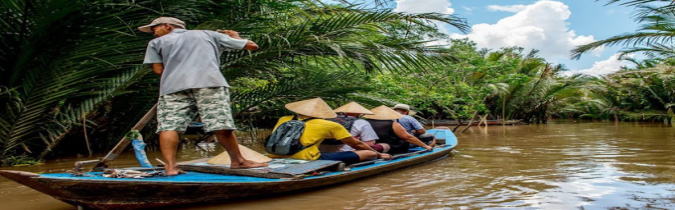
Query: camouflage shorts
point(177, 110)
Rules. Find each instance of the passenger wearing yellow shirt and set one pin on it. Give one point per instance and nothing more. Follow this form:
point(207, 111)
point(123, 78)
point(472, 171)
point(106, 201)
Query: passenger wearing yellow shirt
point(313, 112)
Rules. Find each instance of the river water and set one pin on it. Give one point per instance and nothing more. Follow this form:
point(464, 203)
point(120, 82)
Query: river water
point(554, 166)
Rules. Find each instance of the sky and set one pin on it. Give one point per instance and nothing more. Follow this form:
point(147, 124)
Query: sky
point(554, 27)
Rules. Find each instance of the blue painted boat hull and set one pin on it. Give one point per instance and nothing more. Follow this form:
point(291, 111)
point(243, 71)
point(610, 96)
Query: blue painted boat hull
point(95, 191)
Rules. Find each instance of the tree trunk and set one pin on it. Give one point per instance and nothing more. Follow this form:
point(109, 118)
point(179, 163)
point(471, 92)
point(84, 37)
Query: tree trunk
point(483, 120)
point(459, 123)
point(470, 122)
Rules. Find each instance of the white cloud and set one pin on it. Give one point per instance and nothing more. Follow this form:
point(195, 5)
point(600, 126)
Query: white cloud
point(542, 25)
point(424, 6)
point(611, 65)
point(509, 8)
point(441, 42)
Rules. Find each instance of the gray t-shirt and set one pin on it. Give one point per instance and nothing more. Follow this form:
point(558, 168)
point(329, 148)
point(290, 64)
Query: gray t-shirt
point(191, 58)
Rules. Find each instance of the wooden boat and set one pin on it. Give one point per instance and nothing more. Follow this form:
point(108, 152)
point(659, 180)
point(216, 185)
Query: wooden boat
point(95, 191)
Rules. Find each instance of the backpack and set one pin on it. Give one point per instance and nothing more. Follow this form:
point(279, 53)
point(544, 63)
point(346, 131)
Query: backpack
point(285, 140)
point(346, 121)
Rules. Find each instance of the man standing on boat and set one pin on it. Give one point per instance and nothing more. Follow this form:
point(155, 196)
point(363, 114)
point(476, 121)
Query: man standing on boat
point(188, 62)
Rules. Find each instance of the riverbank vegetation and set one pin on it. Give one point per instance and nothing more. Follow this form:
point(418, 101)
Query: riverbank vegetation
point(72, 80)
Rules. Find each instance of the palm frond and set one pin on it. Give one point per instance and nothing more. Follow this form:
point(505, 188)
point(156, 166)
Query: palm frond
point(658, 29)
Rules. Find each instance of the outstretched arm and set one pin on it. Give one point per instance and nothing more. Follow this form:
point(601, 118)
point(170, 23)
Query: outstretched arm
point(401, 133)
point(359, 145)
point(250, 45)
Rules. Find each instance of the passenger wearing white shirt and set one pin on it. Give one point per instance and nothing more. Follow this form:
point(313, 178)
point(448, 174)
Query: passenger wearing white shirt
point(349, 117)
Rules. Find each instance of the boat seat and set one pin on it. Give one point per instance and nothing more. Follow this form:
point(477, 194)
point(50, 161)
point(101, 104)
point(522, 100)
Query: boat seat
point(304, 168)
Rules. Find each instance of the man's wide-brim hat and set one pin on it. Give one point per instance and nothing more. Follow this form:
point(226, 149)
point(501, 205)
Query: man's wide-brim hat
point(315, 107)
point(353, 107)
point(383, 113)
point(162, 20)
point(405, 107)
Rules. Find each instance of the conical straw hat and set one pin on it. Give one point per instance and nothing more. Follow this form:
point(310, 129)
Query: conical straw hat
point(315, 107)
point(383, 113)
point(248, 154)
point(353, 107)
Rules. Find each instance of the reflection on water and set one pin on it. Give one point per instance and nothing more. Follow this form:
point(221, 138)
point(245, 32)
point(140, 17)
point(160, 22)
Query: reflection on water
point(555, 166)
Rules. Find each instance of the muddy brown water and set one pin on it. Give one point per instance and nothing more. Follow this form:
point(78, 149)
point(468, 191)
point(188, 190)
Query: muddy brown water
point(554, 166)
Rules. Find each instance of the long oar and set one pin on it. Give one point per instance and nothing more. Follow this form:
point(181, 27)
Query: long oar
point(119, 148)
point(392, 158)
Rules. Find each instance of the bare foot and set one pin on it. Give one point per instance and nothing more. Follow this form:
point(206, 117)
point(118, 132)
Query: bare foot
point(173, 172)
point(247, 164)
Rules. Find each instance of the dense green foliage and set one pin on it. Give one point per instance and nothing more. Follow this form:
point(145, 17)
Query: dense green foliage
point(646, 93)
point(505, 84)
point(71, 68)
point(67, 65)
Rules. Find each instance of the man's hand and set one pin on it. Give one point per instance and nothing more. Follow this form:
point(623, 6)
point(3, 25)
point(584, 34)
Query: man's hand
point(158, 68)
point(231, 33)
point(428, 148)
point(384, 156)
point(250, 45)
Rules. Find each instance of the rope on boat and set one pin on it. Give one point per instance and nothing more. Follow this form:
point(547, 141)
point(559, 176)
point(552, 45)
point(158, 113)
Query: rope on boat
point(127, 173)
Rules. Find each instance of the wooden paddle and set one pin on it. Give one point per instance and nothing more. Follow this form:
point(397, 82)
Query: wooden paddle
point(392, 158)
point(119, 148)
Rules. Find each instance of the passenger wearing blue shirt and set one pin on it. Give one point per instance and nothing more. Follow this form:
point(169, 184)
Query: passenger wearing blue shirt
point(413, 126)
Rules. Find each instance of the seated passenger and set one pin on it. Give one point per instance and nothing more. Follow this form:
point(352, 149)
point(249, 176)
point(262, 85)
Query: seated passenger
point(349, 117)
point(412, 126)
point(313, 112)
point(391, 132)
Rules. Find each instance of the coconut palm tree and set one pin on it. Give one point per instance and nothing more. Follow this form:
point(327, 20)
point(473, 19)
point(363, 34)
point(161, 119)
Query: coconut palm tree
point(59, 60)
point(655, 37)
point(633, 94)
point(640, 2)
point(657, 88)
